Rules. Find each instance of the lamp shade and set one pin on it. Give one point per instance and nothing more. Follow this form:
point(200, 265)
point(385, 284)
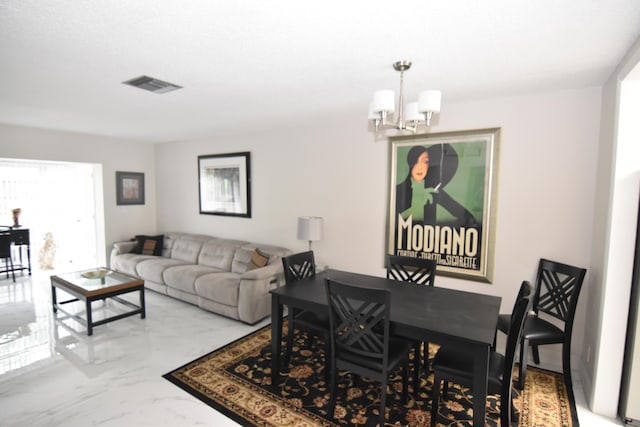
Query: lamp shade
point(383, 100)
point(309, 228)
point(372, 114)
point(412, 114)
point(429, 100)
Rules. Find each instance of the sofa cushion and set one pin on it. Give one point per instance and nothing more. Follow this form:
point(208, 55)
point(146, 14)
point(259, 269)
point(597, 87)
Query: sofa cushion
point(187, 250)
point(183, 277)
point(152, 269)
point(218, 253)
point(169, 240)
point(127, 263)
point(241, 259)
point(220, 287)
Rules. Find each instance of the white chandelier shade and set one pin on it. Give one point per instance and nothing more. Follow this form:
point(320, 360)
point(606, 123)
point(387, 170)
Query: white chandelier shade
point(409, 117)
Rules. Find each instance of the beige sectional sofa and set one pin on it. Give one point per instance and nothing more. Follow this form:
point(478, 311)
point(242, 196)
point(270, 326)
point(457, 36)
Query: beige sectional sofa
point(215, 274)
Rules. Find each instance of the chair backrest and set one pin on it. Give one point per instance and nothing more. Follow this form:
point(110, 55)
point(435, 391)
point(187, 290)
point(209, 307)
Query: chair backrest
point(298, 266)
point(557, 289)
point(518, 316)
point(525, 290)
point(359, 320)
point(5, 244)
point(414, 270)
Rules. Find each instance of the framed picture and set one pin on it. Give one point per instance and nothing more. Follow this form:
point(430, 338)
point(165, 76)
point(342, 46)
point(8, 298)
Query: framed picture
point(442, 200)
point(130, 188)
point(225, 184)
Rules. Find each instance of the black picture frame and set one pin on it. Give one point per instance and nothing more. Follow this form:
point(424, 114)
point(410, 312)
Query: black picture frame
point(129, 188)
point(224, 184)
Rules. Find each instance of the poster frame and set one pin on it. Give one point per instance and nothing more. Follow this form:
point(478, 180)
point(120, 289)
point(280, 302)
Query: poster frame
point(484, 144)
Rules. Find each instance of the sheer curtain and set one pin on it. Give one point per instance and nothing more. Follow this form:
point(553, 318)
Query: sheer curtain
point(57, 198)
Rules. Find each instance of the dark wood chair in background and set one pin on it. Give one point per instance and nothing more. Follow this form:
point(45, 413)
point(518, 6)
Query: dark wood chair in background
point(506, 318)
point(297, 267)
point(361, 340)
point(412, 270)
point(453, 364)
point(556, 296)
point(418, 271)
point(5, 253)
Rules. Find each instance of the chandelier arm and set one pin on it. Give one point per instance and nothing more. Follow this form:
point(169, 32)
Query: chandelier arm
point(427, 117)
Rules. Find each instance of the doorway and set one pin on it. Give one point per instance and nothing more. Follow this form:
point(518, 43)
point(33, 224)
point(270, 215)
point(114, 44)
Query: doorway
point(58, 201)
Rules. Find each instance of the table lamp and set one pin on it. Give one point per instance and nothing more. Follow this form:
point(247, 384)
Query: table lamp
point(309, 228)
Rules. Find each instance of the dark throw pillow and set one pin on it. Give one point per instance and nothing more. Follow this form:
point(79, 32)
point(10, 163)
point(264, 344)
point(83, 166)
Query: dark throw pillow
point(149, 245)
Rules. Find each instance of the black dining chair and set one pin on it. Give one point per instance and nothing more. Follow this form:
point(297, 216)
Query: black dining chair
point(297, 267)
point(361, 340)
point(454, 364)
point(506, 318)
point(556, 296)
point(413, 270)
point(5, 253)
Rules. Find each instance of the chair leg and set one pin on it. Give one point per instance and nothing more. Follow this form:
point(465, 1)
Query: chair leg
point(524, 349)
point(383, 400)
point(506, 409)
point(416, 366)
point(405, 381)
point(566, 368)
point(416, 379)
point(287, 356)
point(435, 399)
point(425, 357)
point(536, 354)
point(8, 266)
point(327, 356)
point(334, 389)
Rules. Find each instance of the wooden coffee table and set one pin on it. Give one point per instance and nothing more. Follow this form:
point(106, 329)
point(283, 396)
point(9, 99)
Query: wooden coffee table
point(93, 285)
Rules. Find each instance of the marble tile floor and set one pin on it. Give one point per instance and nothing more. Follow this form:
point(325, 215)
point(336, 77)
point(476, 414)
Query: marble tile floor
point(53, 374)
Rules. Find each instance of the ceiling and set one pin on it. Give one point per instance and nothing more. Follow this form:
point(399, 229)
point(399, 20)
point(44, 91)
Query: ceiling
point(249, 63)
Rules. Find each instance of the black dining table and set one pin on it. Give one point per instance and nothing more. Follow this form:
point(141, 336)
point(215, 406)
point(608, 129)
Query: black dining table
point(463, 320)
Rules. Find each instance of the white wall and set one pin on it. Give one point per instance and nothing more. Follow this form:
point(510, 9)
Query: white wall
point(334, 169)
point(547, 174)
point(121, 222)
point(614, 237)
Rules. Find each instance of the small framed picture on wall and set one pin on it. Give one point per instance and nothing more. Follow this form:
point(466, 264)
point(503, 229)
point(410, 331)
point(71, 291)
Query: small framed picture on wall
point(130, 188)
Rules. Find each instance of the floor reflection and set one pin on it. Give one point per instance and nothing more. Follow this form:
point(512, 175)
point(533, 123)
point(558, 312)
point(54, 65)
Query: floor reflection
point(25, 336)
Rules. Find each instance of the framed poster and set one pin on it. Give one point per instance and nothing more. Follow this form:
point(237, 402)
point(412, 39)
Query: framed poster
point(225, 184)
point(129, 188)
point(442, 199)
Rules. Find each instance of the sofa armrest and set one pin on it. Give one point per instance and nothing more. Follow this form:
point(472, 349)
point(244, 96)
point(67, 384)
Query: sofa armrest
point(123, 247)
point(254, 299)
point(120, 248)
point(273, 269)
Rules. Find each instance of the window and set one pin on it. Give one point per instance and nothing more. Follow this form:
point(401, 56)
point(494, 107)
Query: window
point(64, 199)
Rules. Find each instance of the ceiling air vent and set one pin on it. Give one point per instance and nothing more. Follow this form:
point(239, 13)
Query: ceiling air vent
point(151, 84)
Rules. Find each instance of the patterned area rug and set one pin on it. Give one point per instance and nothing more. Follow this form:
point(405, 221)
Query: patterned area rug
point(236, 381)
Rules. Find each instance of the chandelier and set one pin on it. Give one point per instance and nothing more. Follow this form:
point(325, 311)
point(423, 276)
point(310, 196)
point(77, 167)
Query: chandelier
point(411, 116)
